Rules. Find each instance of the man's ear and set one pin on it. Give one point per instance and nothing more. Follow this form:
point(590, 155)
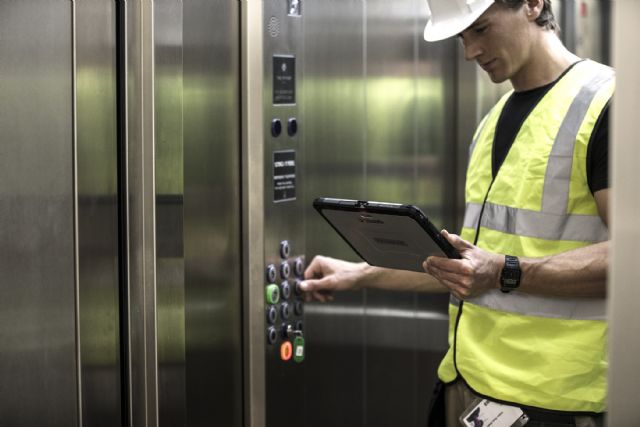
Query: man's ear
point(533, 8)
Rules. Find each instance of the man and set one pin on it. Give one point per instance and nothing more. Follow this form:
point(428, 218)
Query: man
point(527, 310)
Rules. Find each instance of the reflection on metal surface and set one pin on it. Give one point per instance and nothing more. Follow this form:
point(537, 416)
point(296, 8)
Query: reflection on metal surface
point(211, 208)
point(379, 115)
point(169, 189)
point(382, 312)
point(97, 213)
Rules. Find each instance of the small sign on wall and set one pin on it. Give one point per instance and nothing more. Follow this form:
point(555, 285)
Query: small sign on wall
point(284, 175)
point(284, 80)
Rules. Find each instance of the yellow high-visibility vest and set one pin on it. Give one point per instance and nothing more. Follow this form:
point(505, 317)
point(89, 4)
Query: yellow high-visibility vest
point(516, 347)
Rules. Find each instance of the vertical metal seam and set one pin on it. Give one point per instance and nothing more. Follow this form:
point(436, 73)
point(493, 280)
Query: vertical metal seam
point(152, 244)
point(416, 33)
point(244, 324)
point(365, 113)
point(74, 191)
point(123, 212)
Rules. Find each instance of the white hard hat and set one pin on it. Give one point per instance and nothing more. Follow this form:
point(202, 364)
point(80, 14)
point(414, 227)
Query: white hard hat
point(451, 17)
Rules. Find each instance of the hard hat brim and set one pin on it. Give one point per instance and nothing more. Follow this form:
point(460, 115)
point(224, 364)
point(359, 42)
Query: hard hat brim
point(434, 32)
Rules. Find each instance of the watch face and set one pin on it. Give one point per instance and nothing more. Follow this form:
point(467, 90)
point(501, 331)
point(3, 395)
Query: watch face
point(509, 282)
point(510, 277)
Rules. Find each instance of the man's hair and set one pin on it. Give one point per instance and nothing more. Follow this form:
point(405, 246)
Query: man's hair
point(546, 19)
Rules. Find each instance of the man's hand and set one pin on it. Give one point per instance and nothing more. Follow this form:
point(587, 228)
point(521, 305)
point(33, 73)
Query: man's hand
point(477, 271)
point(325, 275)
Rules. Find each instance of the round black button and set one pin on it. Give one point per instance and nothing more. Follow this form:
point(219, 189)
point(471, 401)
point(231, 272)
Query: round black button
point(285, 270)
point(292, 126)
point(285, 249)
point(299, 267)
point(285, 290)
point(285, 312)
point(272, 315)
point(271, 273)
point(276, 128)
point(272, 335)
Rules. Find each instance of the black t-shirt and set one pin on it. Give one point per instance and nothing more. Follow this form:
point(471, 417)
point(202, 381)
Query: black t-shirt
point(518, 107)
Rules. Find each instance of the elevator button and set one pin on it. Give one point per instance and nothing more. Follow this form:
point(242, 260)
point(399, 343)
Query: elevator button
point(285, 311)
point(285, 270)
point(292, 126)
point(271, 273)
point(298, 308)
point(298, 349)
point(299, 267)
point(272, 335)
point(286, 351)
point(276, 128)
point(272, 293)
point(272, 315)
point(285, 290)
point(285, 249)
point(296, 287)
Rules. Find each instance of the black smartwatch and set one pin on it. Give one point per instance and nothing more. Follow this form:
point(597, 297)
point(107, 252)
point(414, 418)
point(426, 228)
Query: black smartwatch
point(510, 275)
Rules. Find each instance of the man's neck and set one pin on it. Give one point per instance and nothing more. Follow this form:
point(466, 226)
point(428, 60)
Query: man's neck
point(549, 59)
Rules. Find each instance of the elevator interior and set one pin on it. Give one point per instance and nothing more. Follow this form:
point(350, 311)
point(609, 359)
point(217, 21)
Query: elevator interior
point(158, 163)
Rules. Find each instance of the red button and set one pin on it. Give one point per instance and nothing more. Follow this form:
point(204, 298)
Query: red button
point(286, 351)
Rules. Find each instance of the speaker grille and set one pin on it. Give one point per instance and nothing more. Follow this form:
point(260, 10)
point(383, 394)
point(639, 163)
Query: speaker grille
point(274, 27)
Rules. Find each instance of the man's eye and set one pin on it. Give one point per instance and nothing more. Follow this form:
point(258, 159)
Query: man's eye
point(480, 30)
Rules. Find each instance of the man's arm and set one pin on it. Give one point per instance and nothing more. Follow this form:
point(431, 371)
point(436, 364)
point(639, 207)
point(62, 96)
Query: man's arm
point(326, 275)
point(577, 273)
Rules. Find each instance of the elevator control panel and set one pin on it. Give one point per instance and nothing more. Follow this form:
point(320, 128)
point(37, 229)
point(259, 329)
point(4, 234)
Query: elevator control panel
point(285, 207)
point(284, 303)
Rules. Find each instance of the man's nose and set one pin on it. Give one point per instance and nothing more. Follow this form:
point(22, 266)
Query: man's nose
point(472, 51)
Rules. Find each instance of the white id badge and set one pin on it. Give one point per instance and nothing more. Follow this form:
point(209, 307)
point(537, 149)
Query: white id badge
point(485, 413)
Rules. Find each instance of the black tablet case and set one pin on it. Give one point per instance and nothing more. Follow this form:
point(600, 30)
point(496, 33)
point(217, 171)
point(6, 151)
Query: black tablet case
point(385, 234)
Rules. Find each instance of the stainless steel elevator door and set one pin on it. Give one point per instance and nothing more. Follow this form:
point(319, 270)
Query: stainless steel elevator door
point(212, 251)
point(37, 260)
point(379, 114)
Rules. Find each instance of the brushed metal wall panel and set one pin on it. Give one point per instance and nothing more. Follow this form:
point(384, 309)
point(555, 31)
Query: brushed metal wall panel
point(334, 134)
point(380, 115)
point(37, 259)
point(97, 213)
point(409, 115)
point(212, 252)
point(390, 176)
point(168, 83)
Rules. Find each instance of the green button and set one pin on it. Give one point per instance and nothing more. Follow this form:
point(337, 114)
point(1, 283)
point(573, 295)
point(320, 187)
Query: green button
point(298, 349)
point(273, 294)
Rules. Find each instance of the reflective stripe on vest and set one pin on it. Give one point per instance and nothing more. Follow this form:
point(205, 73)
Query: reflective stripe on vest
point(542, 225)
point(532, 350)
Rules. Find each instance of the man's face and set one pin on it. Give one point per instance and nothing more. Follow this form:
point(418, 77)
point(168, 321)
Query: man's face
point(499, 41)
